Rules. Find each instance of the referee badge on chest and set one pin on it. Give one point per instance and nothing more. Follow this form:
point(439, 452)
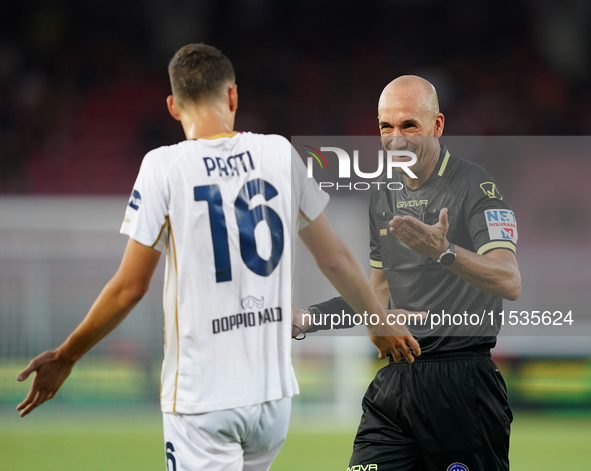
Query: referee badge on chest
point(383, 232)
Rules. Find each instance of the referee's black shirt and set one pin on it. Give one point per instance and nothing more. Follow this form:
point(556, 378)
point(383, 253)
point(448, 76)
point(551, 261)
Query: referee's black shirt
point(480, 220)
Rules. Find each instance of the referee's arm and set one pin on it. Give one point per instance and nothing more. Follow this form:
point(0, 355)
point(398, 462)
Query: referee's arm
point(338, 306)
point(495, 272)
point(379, 285)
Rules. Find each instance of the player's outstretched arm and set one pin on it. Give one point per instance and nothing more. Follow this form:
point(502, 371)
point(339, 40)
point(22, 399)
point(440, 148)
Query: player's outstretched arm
point(116, 300)
point(340, 266)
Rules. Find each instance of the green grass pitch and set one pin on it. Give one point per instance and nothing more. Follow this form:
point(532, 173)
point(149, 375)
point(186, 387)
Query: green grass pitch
point(120, 443)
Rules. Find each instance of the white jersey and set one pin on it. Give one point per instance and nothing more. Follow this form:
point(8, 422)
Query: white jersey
point(307, 199)
point(227, 290)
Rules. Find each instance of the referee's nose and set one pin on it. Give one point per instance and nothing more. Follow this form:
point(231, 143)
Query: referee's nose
point(394, 141)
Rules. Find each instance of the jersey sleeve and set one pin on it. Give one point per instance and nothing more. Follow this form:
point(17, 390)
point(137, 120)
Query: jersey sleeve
point(146, 216)
point(489, 217)
point(309, 198)
point(375, 256)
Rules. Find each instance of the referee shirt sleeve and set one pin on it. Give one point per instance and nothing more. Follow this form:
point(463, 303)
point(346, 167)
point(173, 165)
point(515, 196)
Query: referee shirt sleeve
point(375, 256)
point(490, 219)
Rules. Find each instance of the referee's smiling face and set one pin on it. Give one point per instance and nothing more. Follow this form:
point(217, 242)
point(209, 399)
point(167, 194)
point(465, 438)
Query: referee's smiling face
point(409, 119)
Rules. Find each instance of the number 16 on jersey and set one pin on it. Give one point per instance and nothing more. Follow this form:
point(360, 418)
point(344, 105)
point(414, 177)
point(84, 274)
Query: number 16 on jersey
point(247, 220)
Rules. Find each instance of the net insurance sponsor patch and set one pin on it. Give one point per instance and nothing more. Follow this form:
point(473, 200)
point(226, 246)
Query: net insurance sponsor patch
point(501, 224)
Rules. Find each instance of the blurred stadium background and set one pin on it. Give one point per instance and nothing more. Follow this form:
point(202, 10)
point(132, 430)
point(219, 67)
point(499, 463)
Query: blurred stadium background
point(82, 88)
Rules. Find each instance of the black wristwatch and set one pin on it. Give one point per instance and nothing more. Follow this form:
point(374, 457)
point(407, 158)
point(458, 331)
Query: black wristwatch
point(448, 257)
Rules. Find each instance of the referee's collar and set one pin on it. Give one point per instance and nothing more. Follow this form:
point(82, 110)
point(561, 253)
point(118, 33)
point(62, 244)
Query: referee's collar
point(442, 161)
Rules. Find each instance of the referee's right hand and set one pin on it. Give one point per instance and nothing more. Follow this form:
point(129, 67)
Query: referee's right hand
point(396, 338)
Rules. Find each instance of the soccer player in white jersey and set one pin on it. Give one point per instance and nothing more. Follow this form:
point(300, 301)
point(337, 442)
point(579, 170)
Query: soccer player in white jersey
point(227, 379)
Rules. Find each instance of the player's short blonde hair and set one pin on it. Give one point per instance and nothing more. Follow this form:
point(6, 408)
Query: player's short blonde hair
point(199, 72)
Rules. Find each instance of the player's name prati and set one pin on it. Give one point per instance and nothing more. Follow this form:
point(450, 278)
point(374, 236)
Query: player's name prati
point(243, 320)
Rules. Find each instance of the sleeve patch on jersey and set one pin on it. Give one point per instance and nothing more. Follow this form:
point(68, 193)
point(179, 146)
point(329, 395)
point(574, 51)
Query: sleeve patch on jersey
point(375, 264)
point(135, 200)
point(491, 190)
point(501, 224)
point(497, 245)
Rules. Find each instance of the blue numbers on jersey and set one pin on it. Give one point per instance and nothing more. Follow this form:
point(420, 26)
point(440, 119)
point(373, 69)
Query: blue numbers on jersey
point(219, 233)
point(247, 220)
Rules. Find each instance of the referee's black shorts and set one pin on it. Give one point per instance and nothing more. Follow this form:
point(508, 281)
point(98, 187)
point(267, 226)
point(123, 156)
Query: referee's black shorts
point(444, 412)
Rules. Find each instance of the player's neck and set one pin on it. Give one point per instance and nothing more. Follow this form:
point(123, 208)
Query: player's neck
point(206, 121)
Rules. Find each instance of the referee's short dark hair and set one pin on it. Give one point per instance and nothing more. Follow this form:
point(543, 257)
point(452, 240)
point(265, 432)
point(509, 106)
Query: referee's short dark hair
point(199, 72)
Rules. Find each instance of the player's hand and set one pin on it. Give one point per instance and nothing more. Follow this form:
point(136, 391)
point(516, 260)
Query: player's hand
point(297, 322)
point(52, 371)
point(396, 338)
point(422, 238)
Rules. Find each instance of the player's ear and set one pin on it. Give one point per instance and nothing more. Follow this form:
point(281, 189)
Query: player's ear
point(233, 95)
point(439, 123)
point(172, 108)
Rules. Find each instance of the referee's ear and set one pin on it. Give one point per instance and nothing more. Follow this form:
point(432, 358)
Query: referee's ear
point(172, 108)
point(439, 124)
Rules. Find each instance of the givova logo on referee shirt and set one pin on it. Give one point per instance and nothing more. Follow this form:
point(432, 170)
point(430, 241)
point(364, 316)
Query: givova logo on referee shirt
point(363, 467)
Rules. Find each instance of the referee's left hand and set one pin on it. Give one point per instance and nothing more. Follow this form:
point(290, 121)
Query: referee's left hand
point(422, 238)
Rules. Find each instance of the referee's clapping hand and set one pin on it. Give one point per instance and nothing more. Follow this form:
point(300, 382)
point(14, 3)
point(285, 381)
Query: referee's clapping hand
point(422, 238)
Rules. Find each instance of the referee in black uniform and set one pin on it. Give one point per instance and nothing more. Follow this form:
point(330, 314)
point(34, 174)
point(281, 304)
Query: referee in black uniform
point(446, 243)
